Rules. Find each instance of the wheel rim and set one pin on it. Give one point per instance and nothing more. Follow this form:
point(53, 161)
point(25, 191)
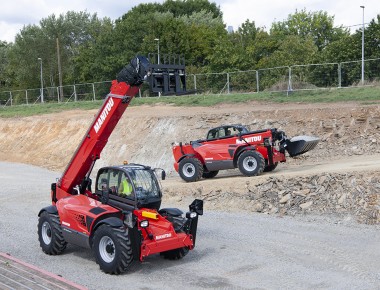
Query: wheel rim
point(250, 163)
point(188, 170)
point(46, 233)
point(107, 249)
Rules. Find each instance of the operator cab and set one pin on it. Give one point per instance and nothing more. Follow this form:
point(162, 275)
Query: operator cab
point(226, 131)
point(129, 186)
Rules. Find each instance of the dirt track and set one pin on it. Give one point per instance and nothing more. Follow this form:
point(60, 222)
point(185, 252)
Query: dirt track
point(349, 133)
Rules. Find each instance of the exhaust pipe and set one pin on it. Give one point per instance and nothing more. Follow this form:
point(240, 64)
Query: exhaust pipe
point(300, 144)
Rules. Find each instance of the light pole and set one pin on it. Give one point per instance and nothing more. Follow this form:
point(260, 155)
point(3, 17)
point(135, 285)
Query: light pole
point(158, 50)
point(42, 83)
point(158, 56)
point(363, 48)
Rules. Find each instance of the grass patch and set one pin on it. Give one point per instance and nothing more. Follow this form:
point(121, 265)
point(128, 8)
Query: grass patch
point(364, 95)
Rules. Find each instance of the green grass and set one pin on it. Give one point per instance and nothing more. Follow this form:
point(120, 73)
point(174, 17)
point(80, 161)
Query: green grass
point(363, 95)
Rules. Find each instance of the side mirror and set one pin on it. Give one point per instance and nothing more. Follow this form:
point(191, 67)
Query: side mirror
point(105, 195)
point(163, 174)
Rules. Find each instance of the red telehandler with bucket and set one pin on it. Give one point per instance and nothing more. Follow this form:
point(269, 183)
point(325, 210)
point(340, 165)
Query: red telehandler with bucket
point(234, 146)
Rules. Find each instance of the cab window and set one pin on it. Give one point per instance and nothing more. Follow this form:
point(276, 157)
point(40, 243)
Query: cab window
point(102, 183)
point(212, 134)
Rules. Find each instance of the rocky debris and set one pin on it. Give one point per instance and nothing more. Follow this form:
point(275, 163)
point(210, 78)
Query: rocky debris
point(351, 194)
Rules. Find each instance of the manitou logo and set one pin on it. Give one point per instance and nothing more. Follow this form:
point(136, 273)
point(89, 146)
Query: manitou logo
point(249, 139)
point(164, 236)
point(103, 115)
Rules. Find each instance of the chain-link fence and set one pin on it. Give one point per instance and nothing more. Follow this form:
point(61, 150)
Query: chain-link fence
point(284, 78)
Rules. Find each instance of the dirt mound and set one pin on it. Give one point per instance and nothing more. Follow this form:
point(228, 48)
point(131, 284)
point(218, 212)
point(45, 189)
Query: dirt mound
point(145, 133)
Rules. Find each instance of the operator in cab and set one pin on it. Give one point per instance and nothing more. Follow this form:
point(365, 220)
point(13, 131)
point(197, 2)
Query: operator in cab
point(125, 187)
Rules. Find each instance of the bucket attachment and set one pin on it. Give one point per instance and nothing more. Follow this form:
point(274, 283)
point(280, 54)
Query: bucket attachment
point(300, 144)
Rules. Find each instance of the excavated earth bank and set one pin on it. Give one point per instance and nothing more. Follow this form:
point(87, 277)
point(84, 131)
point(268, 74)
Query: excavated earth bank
point(340, 176)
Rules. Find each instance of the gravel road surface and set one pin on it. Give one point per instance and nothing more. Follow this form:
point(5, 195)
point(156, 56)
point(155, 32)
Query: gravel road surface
point(233, 251)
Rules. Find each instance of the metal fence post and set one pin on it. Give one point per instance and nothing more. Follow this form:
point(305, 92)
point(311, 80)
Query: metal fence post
point(290, 79)
point(339, 75)
point(195, 83)
point(26, 96)
point(57, 95)
point(257, 81)
point(228, 83)
point(75, 94)
point(10, 97)
point(93, 92)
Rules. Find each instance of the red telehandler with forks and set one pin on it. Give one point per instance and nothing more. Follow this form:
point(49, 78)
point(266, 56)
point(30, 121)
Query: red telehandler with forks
point(120, 228)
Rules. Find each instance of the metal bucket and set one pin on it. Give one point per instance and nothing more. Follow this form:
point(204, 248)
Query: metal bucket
point(300, 144)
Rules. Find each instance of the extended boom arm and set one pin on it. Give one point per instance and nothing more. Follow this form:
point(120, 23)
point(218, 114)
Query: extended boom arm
point(122, 92)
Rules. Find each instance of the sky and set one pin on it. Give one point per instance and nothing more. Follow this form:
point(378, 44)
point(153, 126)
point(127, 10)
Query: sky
point(15, 14)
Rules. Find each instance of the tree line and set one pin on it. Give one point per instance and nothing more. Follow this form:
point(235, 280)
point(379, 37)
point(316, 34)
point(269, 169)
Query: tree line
point(93, 49)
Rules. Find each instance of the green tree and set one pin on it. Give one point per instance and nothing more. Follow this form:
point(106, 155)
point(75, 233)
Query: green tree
point(292, 50)
point(189, 7)
point(5, 80)
point(73, 31)
point(317, 25)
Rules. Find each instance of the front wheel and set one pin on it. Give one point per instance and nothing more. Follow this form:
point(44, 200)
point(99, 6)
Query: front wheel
point(251, 163)
point(50, 234)
point(112, 249)
point(190, 169)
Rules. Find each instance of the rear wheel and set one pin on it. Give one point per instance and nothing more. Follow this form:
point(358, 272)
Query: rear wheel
point(175, 254)
point(251, 163)
point(210, 174)
point(190, 169)
point(50, 234)
point(112, 249)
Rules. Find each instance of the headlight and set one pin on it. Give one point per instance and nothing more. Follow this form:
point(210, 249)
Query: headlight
point(191, 215)
point(144, 224)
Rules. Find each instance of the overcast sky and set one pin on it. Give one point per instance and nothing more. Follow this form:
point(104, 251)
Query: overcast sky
point(14, 14)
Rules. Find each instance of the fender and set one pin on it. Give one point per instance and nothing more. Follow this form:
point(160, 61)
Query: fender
point(51, 209)
point(240, 150)
point(184, 156)
point(112, 221)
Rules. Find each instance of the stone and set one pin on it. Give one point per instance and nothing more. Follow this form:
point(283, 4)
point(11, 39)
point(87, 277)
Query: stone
point(306, 205)
point(285, 199)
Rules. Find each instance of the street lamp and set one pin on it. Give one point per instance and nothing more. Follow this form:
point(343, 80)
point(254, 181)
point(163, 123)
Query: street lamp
point(158, 56)
point(42, 83)
point(158, 50)
point(363, 48)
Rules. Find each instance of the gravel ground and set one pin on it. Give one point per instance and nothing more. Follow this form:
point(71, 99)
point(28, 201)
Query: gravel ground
point(233, 251)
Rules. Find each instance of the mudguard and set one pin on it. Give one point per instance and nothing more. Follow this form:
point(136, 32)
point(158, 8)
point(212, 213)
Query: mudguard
point(51, 209)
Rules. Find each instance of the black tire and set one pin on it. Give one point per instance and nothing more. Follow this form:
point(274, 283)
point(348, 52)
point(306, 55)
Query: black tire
point(251, 163)
point(190, 169)
point(210, 174)
point(270, 167)
point(112, 249)
point(175, 254)
point(50, 234)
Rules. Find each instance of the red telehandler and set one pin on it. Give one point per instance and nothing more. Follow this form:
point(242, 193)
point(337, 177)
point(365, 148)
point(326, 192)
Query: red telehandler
point(120, 227)
point(234, 146)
